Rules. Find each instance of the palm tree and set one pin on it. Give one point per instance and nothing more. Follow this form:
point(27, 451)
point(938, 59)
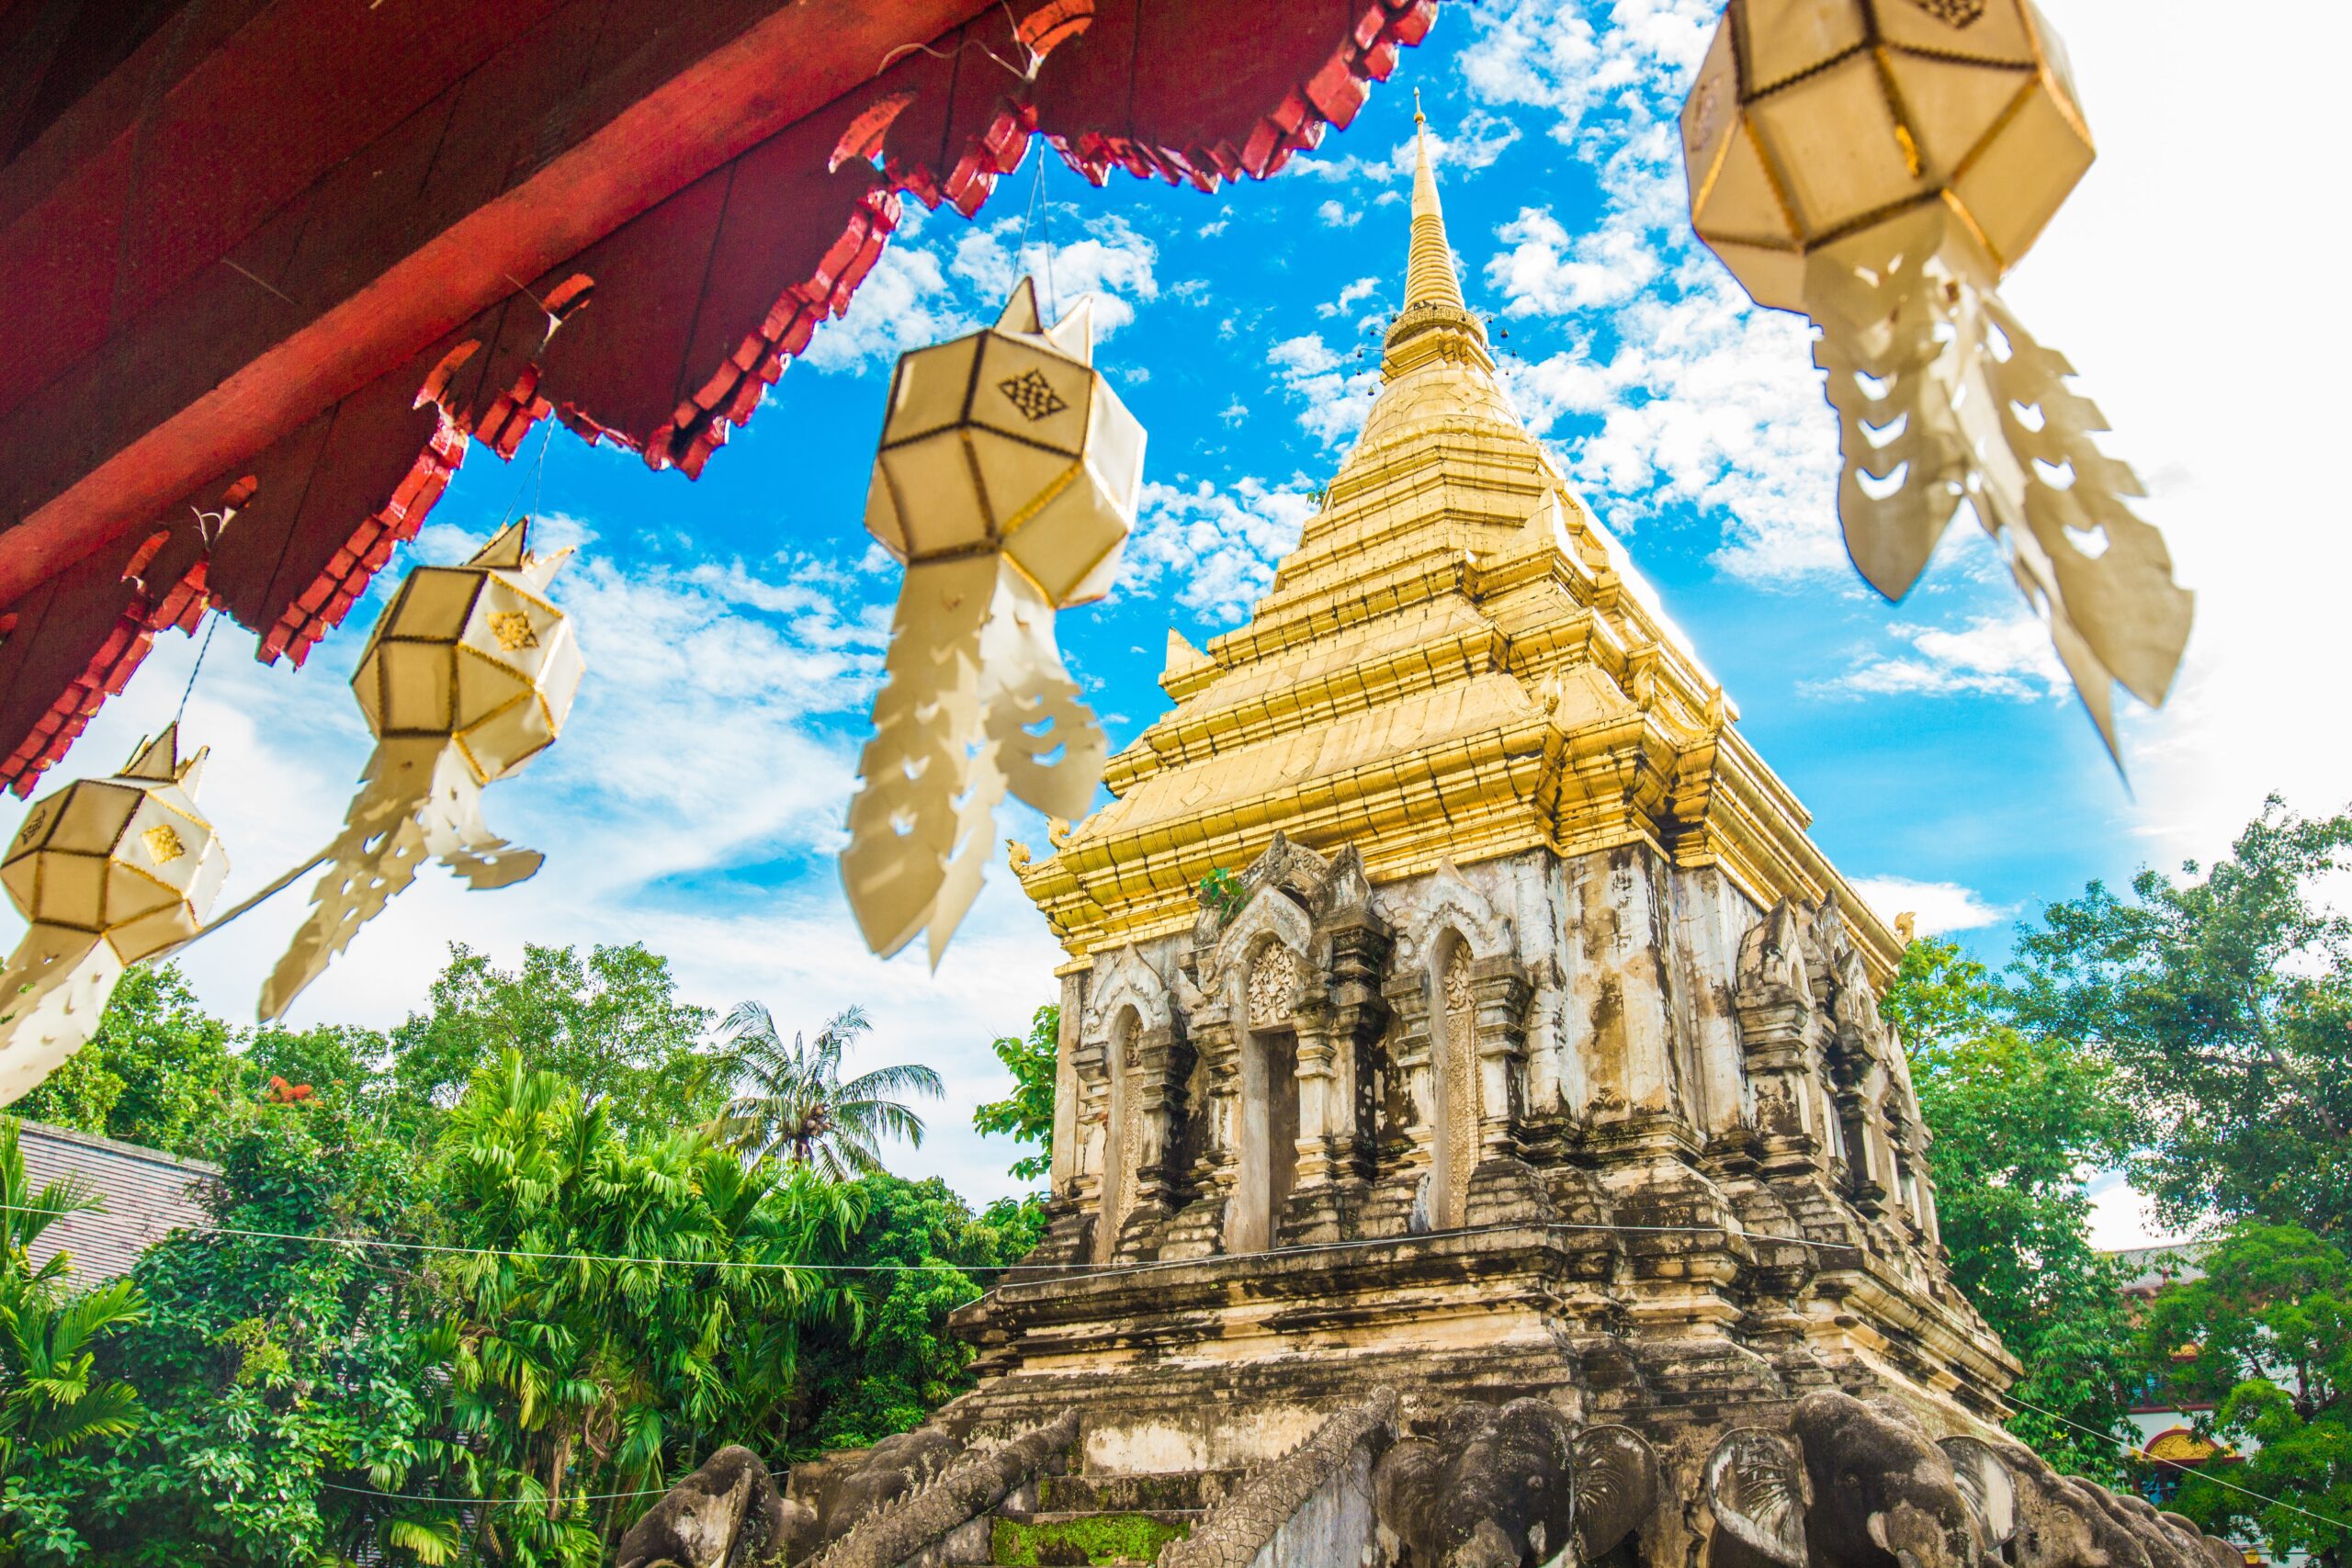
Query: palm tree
point(792, 1104)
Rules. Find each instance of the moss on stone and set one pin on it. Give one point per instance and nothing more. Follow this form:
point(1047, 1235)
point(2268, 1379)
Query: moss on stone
point(1097, 1538)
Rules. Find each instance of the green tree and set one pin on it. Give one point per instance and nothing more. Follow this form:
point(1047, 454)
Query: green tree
point(2268, 1334)
point(1027, 1114)
point(2224, 1002)
point(52, 1400)
point(611, 1024)
point(2015, 1119)
point(160, 1071)
point(792, 1103)
point(623, 1305)
point(283, 1380)
point(887, 1366)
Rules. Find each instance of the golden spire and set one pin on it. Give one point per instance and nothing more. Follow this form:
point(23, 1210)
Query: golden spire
point(1429, 278)
point(1432, 289)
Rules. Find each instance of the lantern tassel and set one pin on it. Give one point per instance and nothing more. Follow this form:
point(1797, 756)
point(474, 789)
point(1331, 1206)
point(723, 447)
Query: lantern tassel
point(1942, 396)
point(419, 800)
point(52, 993)
point(976, 703)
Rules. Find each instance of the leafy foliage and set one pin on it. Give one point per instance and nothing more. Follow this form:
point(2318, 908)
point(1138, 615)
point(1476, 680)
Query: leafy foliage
point(1223, 891)
point(2224, 1002)
point(550, 1289)
point(2268, 1334)
point(2015, 1119)
point(611, 1024)
point(1027, 1114)
point(52, 1401)
point(884, 1367)
point(160, 1071)
point(791, 1102)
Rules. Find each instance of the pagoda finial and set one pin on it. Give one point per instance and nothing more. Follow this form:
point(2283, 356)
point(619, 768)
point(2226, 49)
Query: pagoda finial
point(1429, 278)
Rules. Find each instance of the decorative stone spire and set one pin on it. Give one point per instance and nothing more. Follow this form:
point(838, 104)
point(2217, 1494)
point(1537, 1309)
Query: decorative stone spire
point(1433, 301)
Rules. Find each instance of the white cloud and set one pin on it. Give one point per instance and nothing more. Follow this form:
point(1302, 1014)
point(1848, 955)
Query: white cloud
point(2122, 1216)
point(904, 302)
point(1218, 547)
point(1355, 293)
point(1112, 262)
point(1941, 906)
point(1474, 144)
point(1336, 398)
point(1335, 216)
point(1997, 655)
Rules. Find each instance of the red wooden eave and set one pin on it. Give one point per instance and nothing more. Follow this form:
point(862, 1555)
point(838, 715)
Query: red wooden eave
point(274, 272)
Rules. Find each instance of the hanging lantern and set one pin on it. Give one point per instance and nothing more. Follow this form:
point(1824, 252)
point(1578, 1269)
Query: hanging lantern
point(468, 675)
point(1007, 480)
point(108, 871)
point(1878, 165)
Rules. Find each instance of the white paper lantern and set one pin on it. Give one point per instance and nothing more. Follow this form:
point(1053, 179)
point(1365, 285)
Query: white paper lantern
point(1008, 479)
point(468, 675)
point(1878, 166)
point(108, 871)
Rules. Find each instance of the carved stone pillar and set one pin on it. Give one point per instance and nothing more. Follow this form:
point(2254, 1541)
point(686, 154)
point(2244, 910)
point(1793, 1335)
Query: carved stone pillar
point(1158, 1092)
point(1503, 1188)
point(1198, 1230)
point(1406, 1132)
point(1359, 946)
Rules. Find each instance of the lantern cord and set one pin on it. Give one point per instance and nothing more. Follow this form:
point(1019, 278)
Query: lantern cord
point(1040, 210)
point(202, 649)
point(275, 888)
point(535, 480)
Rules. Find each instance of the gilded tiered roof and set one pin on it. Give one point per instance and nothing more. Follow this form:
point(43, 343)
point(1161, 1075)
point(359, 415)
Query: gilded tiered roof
point(1456, 663)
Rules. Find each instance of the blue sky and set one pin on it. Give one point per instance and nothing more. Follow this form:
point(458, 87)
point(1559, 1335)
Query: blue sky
point(734, 625)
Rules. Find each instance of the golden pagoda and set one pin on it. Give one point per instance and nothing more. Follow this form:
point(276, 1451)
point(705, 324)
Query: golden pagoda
point(1502, 1165)
point(1527, 1045)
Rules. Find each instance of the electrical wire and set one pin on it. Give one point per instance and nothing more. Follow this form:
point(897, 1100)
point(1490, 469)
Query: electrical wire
point(1085, 1271)
point(2110, 1437)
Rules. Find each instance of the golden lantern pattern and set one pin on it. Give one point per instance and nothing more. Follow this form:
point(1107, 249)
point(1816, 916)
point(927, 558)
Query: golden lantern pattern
point(468, 675)
point(1878, 165)
point(108, 871)
point(1007, 482)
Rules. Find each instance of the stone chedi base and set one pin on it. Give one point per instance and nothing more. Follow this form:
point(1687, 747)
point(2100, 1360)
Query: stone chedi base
point(1506, 1162)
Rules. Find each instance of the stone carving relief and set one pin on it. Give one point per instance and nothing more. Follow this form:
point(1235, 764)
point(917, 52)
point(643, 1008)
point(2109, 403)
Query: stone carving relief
point(1458, 1068)
point(1273, 980)
point(1127, 979)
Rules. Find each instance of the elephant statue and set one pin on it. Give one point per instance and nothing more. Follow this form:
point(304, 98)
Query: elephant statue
point(1859, 1486)
point(1849, 1485)
point(726, 1515)
point(2066, 1522)
point(1512, 1487)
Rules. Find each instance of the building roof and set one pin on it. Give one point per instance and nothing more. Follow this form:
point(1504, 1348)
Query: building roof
point(148, 1193)
point(2149, 1268)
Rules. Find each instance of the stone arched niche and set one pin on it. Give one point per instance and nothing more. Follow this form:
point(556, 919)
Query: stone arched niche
point(1127, 999)
point(1267, 1110)
point(1449, 928)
